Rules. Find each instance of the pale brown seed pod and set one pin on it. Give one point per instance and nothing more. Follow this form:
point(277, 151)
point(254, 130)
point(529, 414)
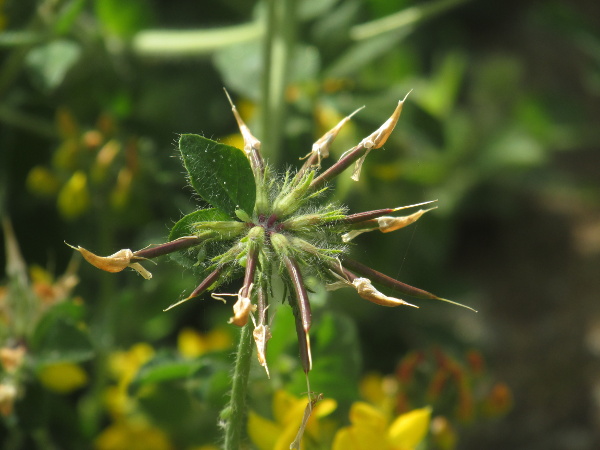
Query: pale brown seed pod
point(114, 263)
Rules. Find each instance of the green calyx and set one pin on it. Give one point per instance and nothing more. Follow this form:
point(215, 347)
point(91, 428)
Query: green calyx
point(286, 223)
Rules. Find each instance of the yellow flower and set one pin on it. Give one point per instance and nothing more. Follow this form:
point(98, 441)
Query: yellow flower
point(132, 436)
point(42, 181)
point(63, 377)
point(370, 429)
point(192, 344)
point(288, 412)
point(124, 366)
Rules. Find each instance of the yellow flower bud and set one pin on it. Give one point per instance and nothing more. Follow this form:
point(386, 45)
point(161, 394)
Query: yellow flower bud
point(74, 197)
point(42, 182)
point(63, 377)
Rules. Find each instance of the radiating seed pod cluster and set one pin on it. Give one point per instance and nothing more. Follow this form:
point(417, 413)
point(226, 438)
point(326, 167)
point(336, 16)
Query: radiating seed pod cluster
point(283, 225)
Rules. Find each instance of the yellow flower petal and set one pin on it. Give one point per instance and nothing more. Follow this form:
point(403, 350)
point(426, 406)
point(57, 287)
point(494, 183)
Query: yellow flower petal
point(343, 440)
point(288, 434)
point(364, 415)
point(325, 407)
point(263, 432)
point(286, 406)
point(409, 429)
point(360, 437)
point(63, 377)
point(371, 388)
point(191, 344)
point(367, 431)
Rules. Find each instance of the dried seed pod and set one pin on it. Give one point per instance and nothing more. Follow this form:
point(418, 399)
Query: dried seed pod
point(251, 143)
point(381, 135)
point(365, 289)
point(378, 138)
point(385, 224)
point(320, 149)
point(262, 334)
point(114, 263)
point(241, 310)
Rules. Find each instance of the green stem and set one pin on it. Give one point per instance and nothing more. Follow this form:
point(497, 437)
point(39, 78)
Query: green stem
point(278, 49)
point(172, 44)
point(235, 412)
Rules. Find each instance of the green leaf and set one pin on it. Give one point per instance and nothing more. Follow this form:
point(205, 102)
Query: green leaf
point(207, 377)
point(221, 174)
point(185, 224)
point(336, 357)
point(124, 18)
point(184, 228)
point(60, 338)
point(67, 16)
point(166, 368)
point(49, 63)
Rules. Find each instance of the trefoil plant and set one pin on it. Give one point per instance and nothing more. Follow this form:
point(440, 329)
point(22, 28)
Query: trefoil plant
point(262, 224)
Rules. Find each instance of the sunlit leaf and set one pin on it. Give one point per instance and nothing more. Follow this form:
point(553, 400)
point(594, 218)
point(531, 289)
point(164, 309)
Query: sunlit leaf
point(219, 173)
point(49, 63)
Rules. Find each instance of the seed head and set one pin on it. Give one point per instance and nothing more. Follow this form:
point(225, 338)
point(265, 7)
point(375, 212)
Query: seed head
point(264, 224)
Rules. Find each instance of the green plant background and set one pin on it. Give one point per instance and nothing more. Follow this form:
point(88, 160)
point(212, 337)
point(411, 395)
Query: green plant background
point(501, 128)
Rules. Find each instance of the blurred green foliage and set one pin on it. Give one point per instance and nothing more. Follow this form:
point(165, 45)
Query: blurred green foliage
point(93, 95)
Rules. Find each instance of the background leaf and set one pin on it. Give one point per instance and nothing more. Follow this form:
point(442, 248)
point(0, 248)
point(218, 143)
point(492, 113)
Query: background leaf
point(221, 174)
point(59, 338)
point(48, 64)
point(336, 357)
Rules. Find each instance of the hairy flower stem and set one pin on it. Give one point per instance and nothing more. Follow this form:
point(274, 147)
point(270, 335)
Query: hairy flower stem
point(235, 413)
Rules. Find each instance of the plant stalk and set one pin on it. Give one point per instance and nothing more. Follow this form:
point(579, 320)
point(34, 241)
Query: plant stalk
point(235, 412)
point(277, 56)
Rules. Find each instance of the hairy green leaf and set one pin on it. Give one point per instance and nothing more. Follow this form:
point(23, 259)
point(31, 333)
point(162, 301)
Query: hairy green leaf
point(221, 174)
point(184, 227)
